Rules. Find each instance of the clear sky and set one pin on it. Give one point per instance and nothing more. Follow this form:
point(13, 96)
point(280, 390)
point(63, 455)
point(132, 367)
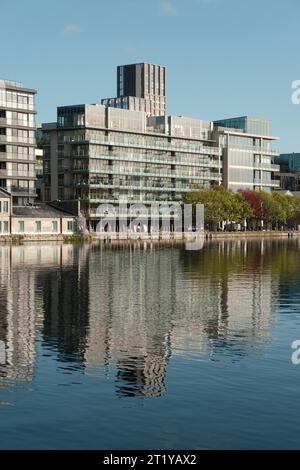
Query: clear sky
point(225, 58)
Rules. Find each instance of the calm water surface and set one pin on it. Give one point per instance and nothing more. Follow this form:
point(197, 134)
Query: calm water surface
point(149, 347)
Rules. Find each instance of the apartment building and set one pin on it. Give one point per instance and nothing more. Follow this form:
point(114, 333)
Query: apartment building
point(108, 155)
point(17, 141)
point(247, 153)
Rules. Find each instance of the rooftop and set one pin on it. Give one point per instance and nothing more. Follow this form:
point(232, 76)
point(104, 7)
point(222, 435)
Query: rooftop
point(39, 211)
point(141, 63)
point(11, 82)
point(13, 85)
point(4, 194)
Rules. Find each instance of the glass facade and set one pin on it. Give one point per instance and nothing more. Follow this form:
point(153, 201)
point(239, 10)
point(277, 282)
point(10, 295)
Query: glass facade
point(124, 161)
point(289, 162)
point(247, 153)
point(140, 87)
point(101, 155)
point(289, 176)
point(247, 124)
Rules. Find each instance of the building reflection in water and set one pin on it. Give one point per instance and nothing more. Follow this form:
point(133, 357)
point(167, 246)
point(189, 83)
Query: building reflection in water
point(17, 317)
point(123, 311)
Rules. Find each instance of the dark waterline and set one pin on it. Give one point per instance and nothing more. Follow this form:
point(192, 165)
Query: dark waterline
point(149, 347)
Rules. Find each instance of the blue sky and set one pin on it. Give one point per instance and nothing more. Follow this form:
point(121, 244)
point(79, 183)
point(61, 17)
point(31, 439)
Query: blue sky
point(225, 57)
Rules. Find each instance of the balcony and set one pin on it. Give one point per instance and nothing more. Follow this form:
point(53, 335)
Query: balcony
point(183, 147)
point(145, 187)
point(152, 159)
point(14, 157)
point(17, 123)
point(22, 191)
point(271, 183)
point(18, 106)
point(266, 167)
point(176, 174)
point(17, 140)
point(255, 149)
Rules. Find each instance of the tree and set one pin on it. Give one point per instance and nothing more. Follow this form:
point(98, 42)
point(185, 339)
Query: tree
point(220, 204)
point(255, 201)
point(210, 200)
point(244, 211)
point(285, 207)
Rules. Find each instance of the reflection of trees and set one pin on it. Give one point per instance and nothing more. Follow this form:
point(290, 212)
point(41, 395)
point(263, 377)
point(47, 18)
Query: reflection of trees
point(220, 259)
point(127, 309)
point(236, 281)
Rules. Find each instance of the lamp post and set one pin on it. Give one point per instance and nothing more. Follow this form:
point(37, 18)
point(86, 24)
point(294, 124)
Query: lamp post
point(261, 213)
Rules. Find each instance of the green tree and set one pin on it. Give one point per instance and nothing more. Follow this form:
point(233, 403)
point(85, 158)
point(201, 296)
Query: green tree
point(220, 204)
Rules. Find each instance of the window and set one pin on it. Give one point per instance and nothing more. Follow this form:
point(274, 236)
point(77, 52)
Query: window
point(121, 81)
point(5, 206)
point(21, 226)
point(54, 226)
point(5, 227)
point(38, 226)
point(70, 226)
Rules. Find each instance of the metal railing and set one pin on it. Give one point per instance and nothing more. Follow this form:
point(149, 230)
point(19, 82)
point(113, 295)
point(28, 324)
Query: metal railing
point(159, 174)
point(169, 146)
point(17, 189)
point(10, 82)
point(261, 182)
point(149, 159)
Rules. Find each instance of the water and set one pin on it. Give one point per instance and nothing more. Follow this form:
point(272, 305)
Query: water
point(149, 346)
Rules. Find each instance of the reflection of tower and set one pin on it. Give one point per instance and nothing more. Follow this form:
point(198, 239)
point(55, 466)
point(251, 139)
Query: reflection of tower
point(65, 302)
point(131, 302)
point(138, 376)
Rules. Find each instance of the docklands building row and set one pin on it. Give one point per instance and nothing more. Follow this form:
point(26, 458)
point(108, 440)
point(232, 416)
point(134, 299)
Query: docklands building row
point(124, 150)
point(102, 155)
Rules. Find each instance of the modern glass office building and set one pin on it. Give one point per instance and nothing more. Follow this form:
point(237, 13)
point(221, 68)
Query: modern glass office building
point(108, 155)
point(289, 175)
point(17, 141)
point(289, 162)
point(127, 153)
point(247, 153)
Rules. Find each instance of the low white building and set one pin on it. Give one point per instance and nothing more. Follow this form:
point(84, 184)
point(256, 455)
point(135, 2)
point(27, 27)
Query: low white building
point(5, 212)
point(36, 220)
point(42, 219)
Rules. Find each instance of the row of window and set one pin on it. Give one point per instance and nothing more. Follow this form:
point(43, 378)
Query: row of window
point(38, 226)
point(12, 99)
